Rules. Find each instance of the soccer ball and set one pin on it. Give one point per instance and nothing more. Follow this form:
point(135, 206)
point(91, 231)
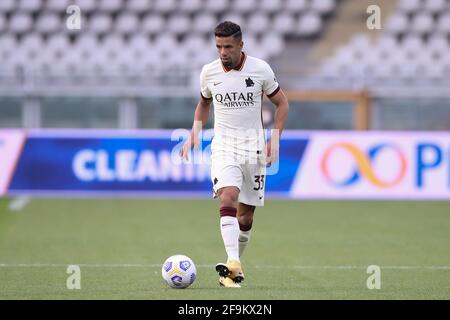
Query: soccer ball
point(179, 271)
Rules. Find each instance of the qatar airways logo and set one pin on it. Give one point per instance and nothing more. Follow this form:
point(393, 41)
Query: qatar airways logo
point(235, 99)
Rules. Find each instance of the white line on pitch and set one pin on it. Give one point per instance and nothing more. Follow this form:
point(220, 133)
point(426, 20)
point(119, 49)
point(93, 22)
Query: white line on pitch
point(44, 265)
point(17, 204)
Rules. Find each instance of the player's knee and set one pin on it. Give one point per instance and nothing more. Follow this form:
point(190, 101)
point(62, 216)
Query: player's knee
point(229, 197)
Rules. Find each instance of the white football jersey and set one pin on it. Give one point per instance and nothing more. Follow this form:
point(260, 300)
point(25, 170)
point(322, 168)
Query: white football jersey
point(237, 96)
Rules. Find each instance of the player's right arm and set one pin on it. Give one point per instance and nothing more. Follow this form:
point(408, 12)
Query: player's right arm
point(200, 118)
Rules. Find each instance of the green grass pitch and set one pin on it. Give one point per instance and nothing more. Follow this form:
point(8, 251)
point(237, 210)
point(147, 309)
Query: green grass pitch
point(299, 249)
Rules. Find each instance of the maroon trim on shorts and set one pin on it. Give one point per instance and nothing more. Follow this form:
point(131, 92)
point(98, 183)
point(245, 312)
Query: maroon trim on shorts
point(228, 212)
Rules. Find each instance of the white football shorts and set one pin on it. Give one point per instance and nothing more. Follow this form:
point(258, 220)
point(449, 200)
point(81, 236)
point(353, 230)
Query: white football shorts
point(249, 176)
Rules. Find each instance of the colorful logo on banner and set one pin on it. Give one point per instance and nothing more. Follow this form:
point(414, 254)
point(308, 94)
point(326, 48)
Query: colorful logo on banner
point(11, 142)
point(363, 161)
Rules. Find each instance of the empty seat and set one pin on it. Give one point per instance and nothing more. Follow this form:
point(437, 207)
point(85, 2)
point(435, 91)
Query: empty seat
point(360, 43)
point(190, 6)
point(179, 23)
point(204, 23)
point(258, 23)
point(244, 7)
point(412, 44)
point(438, 44)
point(409, 6)
point(57, 6)
point(216, 6)
point(270, 6)
point(323, 7)
point(139, 6)
point(153, 24)
point(435, 6)
point(422, 23)
point(2, 23)
point(48, 23)
point(443, 24)
point(283, 23)
point(127, 23)
point(272, 43)
point(194, 43)
point(296, 6)
point(86, 6)
point(165, 43)
point(100, 23)
point(7, 5)
point(164, 6)
point(20, 23)
point(309, 24)
point(110, 6)
point(139, 41)
point(30, 6)
point(397, 24)
point(58, 42)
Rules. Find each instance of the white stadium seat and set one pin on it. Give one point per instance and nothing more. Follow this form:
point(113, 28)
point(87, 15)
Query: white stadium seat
point(296, 6)
point(422, 23)
point(2, 23)
point(153, 24)
point(139, 6)
point(411, 44)
point(270, 6)
point(216, 6)
point(58, 42)
point(190, 6)
point(165, 42)
point(20, 23)
point(309, 24)
point(179, 23)
point(110, 6)
point(397, 24)
point(100, 23)
point(86, 6)
point(323, 7)
point(283, 23)
point(443, 24)
point(272, 43)
point(204, 23)
point(244, 7)
point(164, 6)
point(258, 23)
point(409, 6)
point(49, 23)
point(127, 23)
point(57, 6)
point(139, 41)
point(7, 5)
point(194, 43)
point(439, 45)
point(30, 6)
point(435, 6)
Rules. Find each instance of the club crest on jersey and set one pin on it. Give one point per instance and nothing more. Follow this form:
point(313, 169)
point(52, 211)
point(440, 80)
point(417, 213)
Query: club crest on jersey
point(249, 82)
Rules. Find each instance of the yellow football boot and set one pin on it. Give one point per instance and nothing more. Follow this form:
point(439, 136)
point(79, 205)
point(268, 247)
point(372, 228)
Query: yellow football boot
point(231, 269)
point(227, 282)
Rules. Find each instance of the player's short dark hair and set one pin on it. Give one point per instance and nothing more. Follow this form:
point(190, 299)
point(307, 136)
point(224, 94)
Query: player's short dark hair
point(228, 29)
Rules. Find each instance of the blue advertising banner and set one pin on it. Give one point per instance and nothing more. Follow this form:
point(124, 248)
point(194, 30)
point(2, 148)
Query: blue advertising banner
point(109, 163)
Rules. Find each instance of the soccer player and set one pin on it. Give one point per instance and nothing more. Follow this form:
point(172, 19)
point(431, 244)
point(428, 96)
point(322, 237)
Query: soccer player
point(235, 84)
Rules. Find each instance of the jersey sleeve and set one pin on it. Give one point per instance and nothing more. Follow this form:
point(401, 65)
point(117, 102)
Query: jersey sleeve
point(270, 84)
point(204, 90)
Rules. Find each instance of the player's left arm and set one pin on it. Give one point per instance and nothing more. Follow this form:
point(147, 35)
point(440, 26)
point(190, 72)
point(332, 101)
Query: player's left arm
point(281, 113)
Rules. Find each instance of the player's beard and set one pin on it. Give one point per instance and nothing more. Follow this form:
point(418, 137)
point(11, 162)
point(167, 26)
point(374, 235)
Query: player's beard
point(228, 63)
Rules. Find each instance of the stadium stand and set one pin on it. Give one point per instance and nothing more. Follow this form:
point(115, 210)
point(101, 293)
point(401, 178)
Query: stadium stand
point(413, 48)
point(117, 37)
